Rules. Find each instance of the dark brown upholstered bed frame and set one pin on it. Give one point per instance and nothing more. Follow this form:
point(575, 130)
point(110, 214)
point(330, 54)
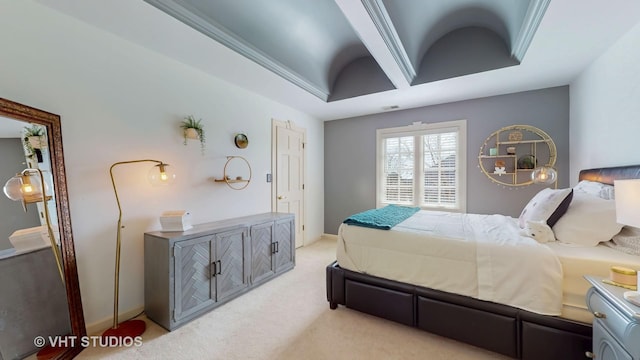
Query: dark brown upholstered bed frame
point(500, 328)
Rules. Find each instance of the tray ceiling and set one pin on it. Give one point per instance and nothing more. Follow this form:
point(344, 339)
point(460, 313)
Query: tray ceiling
point(571, 35)
point(322, 47)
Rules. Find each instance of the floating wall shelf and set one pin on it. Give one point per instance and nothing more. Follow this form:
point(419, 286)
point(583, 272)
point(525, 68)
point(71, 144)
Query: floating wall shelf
point(233, 181)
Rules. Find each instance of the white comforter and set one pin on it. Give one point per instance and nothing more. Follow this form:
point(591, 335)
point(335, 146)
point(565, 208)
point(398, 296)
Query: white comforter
point(482, 256)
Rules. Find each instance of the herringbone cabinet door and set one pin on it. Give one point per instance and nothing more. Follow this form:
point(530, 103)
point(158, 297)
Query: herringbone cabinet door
point(193, 289)
point(284, 238)
point(261, 251)
point(230, 253)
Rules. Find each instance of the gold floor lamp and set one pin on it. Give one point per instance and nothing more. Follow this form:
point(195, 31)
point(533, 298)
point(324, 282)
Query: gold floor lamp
point(29, 189)
point(158, 174)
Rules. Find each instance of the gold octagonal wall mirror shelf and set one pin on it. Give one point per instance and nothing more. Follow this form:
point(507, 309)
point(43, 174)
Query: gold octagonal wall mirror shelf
point(237, 173)
point(509, 155)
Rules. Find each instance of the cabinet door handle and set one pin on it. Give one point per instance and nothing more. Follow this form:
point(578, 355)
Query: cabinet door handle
point(277, 246)
point(589, 354)
point(213, 270)
point(219, 268)
point(599, 315)
point(273, 248)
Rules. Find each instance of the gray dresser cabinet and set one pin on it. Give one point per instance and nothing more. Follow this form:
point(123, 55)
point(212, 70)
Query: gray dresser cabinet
point(190, 273)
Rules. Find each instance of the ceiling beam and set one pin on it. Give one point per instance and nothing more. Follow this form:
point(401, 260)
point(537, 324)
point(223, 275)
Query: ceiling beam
point(386, 49)
point(532, 19)
point(381, 19)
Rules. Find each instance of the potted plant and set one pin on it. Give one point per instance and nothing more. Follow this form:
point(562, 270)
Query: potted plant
point(193, 129)
point(34, 136)
point(34, 139)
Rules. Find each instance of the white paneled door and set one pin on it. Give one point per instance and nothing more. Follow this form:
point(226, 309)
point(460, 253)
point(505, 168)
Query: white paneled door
point(288, 173)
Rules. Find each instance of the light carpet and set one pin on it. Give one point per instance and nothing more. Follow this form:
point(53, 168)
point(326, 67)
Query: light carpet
point(289, 318)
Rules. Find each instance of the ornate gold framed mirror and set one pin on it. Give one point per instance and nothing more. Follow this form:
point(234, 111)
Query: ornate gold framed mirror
point(51, 123)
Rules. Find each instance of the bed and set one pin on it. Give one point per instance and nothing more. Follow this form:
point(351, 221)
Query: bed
point(450, 294)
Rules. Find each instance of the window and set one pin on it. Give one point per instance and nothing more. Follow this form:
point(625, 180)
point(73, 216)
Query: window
point(423, 165)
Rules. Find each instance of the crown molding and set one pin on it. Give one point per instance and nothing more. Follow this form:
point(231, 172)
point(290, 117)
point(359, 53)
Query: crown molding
point(382, 21)
point(216, 31)
point(533, 17)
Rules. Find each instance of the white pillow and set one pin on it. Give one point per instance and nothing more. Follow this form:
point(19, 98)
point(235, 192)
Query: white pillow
point(589, 221)
point(595, 188)
point(548, 205)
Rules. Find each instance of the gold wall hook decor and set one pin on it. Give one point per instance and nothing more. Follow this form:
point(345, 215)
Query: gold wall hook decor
point(241, 141)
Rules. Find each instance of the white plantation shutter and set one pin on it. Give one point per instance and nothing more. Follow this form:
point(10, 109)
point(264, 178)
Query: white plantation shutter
point(422, 165)
point(440, 151)
point(399, 163)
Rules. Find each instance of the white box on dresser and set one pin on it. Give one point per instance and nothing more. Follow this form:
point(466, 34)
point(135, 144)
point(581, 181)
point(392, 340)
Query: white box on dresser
point(175, 220)
point(616, 323)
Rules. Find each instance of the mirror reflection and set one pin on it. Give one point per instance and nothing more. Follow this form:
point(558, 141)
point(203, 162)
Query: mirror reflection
point(40, 297)
point(24, 146)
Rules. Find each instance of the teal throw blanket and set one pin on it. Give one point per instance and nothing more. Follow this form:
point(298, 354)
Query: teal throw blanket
point(384, 218)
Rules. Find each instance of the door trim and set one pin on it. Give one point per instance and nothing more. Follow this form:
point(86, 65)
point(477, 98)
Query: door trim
point(288, 124)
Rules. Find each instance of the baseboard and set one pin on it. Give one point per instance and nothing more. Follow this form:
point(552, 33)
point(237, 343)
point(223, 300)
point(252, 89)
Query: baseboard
point(98, 327)
point(321, 237)
point(330, 236)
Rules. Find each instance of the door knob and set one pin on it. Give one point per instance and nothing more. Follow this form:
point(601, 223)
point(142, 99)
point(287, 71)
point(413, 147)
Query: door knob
point(281, 197)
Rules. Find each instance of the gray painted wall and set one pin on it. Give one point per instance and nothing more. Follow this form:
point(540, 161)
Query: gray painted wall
point(350, 150)
point(12, 217)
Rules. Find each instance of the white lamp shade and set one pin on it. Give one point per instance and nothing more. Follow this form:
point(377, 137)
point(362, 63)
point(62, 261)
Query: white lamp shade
point(24, 187)
point(627, 194)
point(544, 175)
point(161, 174)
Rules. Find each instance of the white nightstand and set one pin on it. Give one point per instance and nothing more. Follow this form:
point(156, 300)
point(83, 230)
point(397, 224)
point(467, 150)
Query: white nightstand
point(616, 326)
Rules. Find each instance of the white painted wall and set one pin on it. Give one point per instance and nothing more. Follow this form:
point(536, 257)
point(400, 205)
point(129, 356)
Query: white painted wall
point(605, 108)
point(119, 102)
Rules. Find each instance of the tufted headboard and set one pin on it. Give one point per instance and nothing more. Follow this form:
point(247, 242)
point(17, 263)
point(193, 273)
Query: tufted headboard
point(608, 175)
